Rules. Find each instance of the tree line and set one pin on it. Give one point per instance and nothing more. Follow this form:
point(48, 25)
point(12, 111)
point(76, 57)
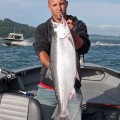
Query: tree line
point(7, 26)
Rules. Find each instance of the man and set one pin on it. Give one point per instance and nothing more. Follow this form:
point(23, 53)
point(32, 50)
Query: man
point(45, 94)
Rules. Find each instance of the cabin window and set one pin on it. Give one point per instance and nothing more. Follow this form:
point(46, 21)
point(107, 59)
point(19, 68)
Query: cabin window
point(17, 37)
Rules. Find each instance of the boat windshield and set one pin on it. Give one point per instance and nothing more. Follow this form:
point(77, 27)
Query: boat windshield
point(17, 37)
point(11, 36)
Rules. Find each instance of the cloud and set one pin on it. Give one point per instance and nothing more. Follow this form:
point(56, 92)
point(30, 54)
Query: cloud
point(101, 16)
point(24, 11)
point(104, 29)
point(96, 11)
point(92, 12)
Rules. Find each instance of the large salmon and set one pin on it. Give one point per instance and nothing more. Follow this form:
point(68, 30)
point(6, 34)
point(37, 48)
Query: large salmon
point(63, 68)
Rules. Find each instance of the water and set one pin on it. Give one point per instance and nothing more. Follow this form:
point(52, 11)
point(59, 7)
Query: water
point(15, 57)
point(102, 52)
point(105, 53)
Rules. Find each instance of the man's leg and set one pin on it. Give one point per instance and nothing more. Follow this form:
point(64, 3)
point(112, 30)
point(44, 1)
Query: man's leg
point(47, 100)
point(75, 106)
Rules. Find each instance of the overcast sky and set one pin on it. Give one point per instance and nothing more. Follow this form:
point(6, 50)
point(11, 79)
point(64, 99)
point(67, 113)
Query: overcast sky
point(101, 16)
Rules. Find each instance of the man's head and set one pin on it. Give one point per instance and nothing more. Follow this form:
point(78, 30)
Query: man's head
point(58, 7)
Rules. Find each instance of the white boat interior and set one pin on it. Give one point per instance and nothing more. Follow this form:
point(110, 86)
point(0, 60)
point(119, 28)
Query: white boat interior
point(100, 85)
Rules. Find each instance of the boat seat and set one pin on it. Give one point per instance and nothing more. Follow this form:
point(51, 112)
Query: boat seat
point(17, 107)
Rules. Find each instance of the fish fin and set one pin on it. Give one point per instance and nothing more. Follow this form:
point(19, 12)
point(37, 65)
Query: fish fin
point(48, 74)
point(72, 94)
point(55, 113)
point(77, 76)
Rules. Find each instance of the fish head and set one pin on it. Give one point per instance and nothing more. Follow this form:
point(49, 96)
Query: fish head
point(60, 30)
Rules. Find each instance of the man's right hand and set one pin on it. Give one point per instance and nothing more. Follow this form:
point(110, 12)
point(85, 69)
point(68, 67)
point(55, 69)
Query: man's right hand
point(44, 58)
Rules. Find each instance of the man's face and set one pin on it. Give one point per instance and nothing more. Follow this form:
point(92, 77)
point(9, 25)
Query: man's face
point(57, 8)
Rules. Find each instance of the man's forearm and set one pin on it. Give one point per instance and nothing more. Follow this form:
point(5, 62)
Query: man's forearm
point(44, 58)
point(77, 40)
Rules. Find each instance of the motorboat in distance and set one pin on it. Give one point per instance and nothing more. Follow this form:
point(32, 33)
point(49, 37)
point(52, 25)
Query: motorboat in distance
point(11, 38)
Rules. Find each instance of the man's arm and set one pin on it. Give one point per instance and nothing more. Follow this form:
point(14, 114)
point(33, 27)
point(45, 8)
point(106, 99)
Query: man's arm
point(77, 40)
point(80, 36)
point(44, 58)
point(41, 45)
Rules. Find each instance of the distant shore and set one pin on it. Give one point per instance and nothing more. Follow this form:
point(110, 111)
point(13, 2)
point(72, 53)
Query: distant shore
point(103, 37)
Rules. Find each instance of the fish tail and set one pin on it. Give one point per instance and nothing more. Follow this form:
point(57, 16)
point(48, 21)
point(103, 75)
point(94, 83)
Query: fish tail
point(65, 116)
point(77, 76)
point(61, 116)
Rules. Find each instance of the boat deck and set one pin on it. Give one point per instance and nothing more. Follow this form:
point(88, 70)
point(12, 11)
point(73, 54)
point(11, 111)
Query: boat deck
point(99, 86)
point(94, 92)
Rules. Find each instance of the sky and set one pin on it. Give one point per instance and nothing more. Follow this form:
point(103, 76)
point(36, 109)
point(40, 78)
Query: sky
point(101, 16)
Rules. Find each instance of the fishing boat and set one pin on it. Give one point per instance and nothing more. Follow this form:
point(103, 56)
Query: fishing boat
point(13, 38)
point(100, 89)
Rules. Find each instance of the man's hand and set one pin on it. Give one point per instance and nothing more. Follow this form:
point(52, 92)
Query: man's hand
point(70, 24)
point(77, 40)
point(44, 58)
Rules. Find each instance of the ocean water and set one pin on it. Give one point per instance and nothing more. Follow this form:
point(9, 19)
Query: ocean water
point(102, 52)
point(105, 53)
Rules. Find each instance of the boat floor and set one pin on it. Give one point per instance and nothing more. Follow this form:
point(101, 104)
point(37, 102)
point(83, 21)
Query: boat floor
point(99, 86)
point(97, 92)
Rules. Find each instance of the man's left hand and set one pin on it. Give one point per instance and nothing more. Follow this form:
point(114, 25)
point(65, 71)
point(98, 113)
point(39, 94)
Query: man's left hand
point(70, 24)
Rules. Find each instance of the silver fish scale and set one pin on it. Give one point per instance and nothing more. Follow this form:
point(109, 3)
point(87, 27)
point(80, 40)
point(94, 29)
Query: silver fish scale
point(63, 68)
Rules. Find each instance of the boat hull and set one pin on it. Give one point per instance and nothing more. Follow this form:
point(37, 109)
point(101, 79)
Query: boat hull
point(12, 39)
point(97, 82)
point(9, 42)
point(100, 86)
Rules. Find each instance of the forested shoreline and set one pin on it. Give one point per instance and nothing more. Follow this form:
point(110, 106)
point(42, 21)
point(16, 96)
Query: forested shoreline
point(7, 26)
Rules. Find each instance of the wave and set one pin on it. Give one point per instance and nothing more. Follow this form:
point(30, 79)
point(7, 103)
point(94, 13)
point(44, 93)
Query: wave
point(98, 43)
point(23, 43)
